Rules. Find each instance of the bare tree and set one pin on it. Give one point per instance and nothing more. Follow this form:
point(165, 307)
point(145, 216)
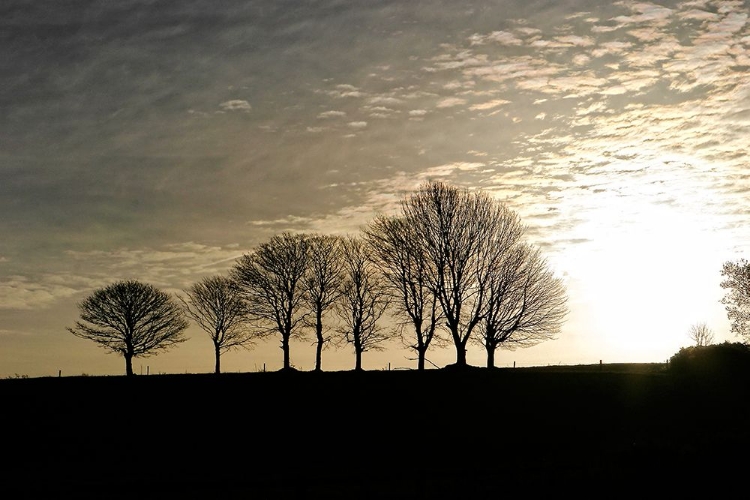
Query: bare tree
point(322, 284)
point(364, 300)
point(526, 303)
point(701, 334)
point(131, 318)
point(404, 264)
point(737, 298)
point(463, 234)
point(271, 282)
point(215, 304)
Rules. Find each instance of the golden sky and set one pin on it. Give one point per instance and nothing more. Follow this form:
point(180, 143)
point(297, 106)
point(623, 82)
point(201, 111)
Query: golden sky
point(161, 140)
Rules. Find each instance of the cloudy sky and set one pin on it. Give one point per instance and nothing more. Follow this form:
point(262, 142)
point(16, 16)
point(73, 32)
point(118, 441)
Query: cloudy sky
point(160, 139)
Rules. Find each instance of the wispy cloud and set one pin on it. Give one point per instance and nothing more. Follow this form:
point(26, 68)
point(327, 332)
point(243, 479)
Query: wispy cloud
point(40, 292)
point(584, 121)
point(331, 114)
point(450, 102)
point(235, 105)
point(489, 104)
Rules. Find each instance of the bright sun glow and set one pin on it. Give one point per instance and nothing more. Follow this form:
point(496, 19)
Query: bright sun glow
point(638, 281)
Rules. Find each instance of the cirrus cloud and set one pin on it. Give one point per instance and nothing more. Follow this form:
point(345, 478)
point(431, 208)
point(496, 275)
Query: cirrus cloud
point(235, 105)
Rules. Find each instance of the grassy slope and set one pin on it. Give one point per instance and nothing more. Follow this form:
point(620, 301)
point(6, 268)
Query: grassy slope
point(591, 430)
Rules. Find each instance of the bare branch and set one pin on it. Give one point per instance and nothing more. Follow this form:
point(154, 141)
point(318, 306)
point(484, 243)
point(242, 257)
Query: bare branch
point(701, 334)
point(526, 303)
point(215, 304)
point(404, 263)
point(322, 285)
point(364, 300)
point(270, 279)
point(462, 234)
point(132, 319)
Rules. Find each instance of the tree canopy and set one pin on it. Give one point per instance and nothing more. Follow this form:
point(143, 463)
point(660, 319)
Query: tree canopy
point(737, 298)
point(131, 318)
point(215, 304)
point(470, 243)
point(404, 265)
point(271, 278)
point(364, 300)
point(322, 285)
point(526, 303)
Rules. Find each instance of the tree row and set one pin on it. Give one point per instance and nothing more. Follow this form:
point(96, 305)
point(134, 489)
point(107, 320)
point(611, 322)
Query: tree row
point(451, 267)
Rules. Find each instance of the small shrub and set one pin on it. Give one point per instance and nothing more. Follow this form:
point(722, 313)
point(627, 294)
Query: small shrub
point(718, 359)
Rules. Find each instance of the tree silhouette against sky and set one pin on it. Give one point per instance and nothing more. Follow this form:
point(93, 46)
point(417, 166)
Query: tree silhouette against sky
point(271, 280)
point(132, 319)
point(215, 304)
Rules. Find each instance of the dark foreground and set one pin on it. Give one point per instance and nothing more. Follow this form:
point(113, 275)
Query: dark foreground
point(617, 432)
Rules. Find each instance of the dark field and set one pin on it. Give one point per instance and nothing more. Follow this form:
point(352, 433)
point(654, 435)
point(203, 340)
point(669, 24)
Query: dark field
point(615, 431)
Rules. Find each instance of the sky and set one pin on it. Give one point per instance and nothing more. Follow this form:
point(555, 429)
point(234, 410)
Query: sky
point(161, 140)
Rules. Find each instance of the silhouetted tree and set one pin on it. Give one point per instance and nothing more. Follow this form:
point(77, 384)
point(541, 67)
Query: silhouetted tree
point(526, 303)
point(725, 359)
point(131, 318)
point(463, 234)
point(322, 284)
point(701, 334)
point(737, 298)
point(270, 279)
point(404, 264)
point(364, 300)
point(216, 305)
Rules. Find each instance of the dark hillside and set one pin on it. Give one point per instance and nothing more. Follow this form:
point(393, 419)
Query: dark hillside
point(384, 434)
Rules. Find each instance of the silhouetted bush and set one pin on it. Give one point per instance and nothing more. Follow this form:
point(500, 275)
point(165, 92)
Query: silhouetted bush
point(711, 360)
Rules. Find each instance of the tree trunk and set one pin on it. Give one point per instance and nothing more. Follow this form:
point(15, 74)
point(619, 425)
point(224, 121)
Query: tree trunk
point(461, 354)
point(217, 365)
point(358, 362)
point(357, 349)
point(285, 348)
point(421, 355)
point(490, 356)
point(319, 347)
point(459, 343)
point(128, 365)
point(318, 355)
